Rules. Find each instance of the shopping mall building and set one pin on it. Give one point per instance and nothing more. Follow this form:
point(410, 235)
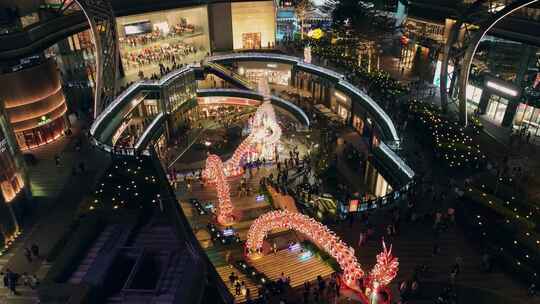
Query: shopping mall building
point(62, 54)
point(48, 74)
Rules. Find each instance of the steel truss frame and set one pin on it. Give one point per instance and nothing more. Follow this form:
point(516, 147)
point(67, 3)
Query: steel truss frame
point(102, 22)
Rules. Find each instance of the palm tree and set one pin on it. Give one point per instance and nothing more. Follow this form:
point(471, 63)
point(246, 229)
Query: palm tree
point(302, 8)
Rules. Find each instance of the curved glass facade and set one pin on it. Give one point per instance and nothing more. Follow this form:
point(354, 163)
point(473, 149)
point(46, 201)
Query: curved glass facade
point(12, 181)
point(37, 111)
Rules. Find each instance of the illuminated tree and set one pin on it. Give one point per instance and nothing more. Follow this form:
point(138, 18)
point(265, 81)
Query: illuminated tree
point(302, 8)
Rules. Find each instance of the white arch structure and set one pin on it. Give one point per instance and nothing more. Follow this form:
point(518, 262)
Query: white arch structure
point(102, 21)
point(473, 46)
point(381, 275)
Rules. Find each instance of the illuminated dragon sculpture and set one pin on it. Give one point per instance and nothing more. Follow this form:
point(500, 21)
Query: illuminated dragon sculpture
point(260, 143)
point(380, 276)
point(215, 172)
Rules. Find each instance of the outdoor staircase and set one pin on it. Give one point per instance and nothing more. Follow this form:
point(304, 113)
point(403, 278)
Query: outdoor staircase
point(290, 263)
point(91, 255)
point(157, 238)
point(47, 179)
point(225, 271)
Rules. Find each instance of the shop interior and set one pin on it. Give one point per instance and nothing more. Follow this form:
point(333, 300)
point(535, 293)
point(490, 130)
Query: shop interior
point(276, 73)
point(152, 41)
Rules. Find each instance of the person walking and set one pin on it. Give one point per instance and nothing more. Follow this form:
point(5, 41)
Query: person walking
point(228, 258)
point(232, 278)
point(5, 277)
point(361, 239)
point(12, 282)
point(28, 254)
point(237, 288)
point(57, 160)
point(35, 250)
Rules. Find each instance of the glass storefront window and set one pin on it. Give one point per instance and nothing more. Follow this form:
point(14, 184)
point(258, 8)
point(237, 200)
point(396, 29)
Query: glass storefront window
point(473, 97)
point(41, 135)
point(496, 108)
point(528, 119)
point(273, 76)
point(11, 181)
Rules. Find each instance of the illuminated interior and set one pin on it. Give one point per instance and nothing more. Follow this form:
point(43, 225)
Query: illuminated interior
point(164, 37)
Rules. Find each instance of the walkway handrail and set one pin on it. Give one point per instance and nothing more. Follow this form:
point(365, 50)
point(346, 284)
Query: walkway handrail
point(272, 56)
point(397, 160)
point(256, 95)
point(120, 100)
point(183, 230)
point(147, 134)
point(379, 114)
point(244, 82)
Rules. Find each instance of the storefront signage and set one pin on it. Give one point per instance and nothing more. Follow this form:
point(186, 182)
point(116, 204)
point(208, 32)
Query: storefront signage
point(43, 120)
point(501, 88)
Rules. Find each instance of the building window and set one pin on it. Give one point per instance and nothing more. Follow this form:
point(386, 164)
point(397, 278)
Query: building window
point(11, 182)
point(496, 109)
point(528, 119)
point(41, 135)
point(473, 97)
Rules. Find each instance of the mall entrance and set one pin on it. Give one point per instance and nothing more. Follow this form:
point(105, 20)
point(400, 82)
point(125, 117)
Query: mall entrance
point(496, 108)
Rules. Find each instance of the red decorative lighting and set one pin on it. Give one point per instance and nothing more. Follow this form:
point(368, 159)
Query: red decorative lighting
point(381, 275)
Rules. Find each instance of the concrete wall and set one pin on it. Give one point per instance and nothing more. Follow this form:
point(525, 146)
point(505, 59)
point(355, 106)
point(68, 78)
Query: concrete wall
point(219, 15)
point(253, 17)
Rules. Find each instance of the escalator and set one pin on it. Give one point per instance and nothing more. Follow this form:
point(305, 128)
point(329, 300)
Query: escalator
point(40, 36)
point(229, 75)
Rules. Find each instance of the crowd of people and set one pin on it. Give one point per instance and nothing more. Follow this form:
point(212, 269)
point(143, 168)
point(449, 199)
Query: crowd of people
point(13, 279)
point(156, 35)
point(168, 53)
